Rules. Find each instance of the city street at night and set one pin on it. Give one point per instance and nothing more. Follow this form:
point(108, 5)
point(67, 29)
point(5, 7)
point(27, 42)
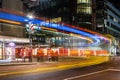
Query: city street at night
point(59, 40)
point(56, 71)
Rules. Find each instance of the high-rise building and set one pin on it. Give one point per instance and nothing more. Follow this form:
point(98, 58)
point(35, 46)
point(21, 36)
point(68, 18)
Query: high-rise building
point(89, 14)
point(92, 14)
point(102, 16)
point(84, 13)
point(55, 8)
point(97, 15)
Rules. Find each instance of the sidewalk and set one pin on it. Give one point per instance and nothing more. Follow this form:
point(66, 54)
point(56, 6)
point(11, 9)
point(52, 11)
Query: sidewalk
point(43, 67)
point(17, 63)
point(66, 62)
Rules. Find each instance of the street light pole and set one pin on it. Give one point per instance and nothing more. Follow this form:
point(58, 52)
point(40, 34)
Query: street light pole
point(31, 31)
point(30, 38)
point(31, 28)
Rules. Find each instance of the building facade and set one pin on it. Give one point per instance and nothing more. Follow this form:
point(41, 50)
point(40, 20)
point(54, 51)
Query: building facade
point(89, 14)
point(12, 32)
point(98, 15)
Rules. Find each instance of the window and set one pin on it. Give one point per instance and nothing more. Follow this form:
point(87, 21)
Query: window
point(115, 20)
point(0, 3)
point(83, 1)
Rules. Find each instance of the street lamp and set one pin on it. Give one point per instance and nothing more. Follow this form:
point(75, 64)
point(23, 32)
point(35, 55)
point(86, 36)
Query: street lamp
point(30, 16)
point(30, 34)
point(30, 28)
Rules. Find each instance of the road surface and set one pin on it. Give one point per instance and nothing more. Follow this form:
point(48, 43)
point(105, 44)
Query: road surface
point(110, 71)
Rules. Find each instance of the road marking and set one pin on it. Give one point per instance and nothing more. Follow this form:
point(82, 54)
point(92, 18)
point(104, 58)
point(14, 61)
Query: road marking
point(115, 70)
point(87, 74)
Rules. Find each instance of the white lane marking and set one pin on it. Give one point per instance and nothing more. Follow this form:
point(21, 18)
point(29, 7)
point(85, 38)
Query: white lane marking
point(87, 74)
point(115, 70)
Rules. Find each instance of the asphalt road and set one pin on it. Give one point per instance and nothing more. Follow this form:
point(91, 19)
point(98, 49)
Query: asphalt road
point(110, 71)
point(101, 75)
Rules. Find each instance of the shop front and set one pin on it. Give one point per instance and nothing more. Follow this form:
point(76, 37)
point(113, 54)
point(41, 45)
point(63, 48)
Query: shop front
point(7, 47)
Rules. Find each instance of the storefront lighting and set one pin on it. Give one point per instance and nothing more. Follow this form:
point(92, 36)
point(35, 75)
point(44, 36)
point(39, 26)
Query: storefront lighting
point(11, 44)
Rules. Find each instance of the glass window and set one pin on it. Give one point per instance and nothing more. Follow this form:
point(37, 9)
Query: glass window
point(115, 20)
point(86, 10)
point(83, 1)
